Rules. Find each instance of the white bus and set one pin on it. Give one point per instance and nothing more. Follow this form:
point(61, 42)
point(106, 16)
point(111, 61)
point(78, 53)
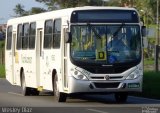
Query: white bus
point(76, 50)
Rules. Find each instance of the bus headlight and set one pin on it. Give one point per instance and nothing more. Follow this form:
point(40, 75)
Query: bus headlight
point(78, 75)
point(135, 74)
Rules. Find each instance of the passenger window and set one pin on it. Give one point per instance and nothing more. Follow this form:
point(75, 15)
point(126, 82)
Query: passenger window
point(9, 38)
point(19, 37)
point(25, 36)
point(57, 33)
point(48, 33)
point(32, 35)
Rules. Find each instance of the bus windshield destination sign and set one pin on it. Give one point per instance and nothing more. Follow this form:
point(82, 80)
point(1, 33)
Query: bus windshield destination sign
point(114, 16)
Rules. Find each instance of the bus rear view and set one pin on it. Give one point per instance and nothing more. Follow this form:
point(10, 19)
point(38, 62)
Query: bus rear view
point(106, 52)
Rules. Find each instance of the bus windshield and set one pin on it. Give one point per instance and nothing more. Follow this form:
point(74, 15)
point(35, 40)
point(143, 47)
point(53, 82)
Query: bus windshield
point(106, 44)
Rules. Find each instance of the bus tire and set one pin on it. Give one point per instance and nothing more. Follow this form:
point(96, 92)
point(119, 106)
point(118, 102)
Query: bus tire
point(60, 96)
point(34, 91)
point(25, 90)
point(121, 97)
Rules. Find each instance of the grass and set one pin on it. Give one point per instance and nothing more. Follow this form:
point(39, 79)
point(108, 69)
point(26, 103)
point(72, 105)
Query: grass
point(2, 71)
point(2, 67)
point(2, 44)
point(149, 61)
point(151, 85)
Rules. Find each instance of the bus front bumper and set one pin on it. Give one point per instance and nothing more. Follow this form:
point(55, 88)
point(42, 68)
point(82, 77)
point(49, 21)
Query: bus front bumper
point(81, 86)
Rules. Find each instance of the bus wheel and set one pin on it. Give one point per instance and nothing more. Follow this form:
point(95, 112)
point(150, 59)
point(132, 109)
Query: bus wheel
point(60, 96)
point(34, 91)
point(121, 97)
point(25, 90)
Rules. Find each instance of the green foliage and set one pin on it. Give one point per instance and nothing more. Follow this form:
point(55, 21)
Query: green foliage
point(152, 5)
point(19, 10)
point(2, 71)
point(56, 4)
point(151, 85)
point(151, 40)
point(2, 67)
point(36, 10)
point(149, 61)
point(2, 44)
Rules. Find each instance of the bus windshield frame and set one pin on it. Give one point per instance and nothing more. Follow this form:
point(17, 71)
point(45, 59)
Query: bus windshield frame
point(90, 56)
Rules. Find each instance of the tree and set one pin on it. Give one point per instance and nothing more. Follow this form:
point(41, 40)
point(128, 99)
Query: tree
point(19, 10)
point(153, 6)
point(51, 4)
point(113, 3)
point(57, 4)
point(95, 2)
point(36, 10)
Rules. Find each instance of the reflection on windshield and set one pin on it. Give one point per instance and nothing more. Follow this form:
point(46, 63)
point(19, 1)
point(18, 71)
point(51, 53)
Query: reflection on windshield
point(106, 44)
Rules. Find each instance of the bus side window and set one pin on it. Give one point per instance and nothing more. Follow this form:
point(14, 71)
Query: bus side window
point(19, 37)
point(9, 38)
point(48, 29)
point(57, 33)
point(25, 36)
point(32, 34)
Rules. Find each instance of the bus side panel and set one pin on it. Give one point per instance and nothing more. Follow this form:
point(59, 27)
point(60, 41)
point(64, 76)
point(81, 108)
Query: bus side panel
point(8, 65)
point(17, 66)
point(51, 59)
point(28, 63)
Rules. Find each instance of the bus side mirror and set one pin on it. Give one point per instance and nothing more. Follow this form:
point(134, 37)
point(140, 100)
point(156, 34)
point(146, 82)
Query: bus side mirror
point(144, 31)
point(68, 37)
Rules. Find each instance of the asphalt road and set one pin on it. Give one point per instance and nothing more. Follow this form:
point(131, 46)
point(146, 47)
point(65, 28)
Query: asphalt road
point(11, 101)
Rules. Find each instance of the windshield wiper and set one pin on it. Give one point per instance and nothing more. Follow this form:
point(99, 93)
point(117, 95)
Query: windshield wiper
point(95, 32)
point(116, 32)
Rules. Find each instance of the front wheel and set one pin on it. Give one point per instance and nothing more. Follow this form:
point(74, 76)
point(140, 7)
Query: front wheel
point(60, 96)
point(121, 97)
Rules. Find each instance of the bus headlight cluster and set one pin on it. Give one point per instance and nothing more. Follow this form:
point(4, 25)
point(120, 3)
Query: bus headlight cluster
point(78, 75)
point(135, 74)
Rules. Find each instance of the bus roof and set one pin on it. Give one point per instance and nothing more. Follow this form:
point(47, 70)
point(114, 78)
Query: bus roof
point(60, 13)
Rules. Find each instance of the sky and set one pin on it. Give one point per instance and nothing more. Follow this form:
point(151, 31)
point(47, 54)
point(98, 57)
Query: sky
point(7, 6)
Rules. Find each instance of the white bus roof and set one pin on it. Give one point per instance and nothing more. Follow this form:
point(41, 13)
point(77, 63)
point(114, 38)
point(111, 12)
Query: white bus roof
point(58, 14)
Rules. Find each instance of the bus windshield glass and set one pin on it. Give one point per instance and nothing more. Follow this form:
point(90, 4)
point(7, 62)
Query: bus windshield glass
point(106, 44)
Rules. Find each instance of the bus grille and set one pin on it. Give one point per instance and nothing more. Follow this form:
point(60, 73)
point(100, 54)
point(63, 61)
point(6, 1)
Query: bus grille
point(106, 70)
point(103, 77)
point(107, 85)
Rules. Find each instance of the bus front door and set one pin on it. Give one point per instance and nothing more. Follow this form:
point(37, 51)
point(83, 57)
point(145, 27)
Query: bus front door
point(38, 55)
point(10, 57)
point(65, 65)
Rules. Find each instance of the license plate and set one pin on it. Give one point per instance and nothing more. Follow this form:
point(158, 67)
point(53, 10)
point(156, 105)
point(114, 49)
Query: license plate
point(133, 85)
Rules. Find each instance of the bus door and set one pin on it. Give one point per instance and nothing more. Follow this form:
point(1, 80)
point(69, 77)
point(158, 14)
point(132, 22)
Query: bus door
point(39, 54)
point(65, 65)
point(14, 58)
point(10, 57)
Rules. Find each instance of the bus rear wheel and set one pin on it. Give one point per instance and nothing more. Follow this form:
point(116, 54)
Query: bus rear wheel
point(121, 97)
point(60, 96)
point(27, 90)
